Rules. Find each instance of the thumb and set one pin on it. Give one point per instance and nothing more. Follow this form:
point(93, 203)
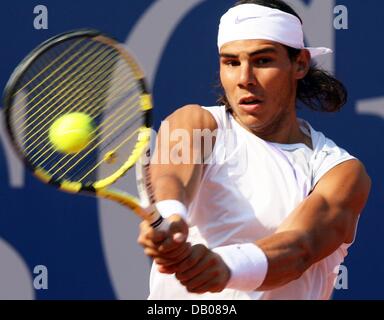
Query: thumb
point(179, 237)
point(178, 228)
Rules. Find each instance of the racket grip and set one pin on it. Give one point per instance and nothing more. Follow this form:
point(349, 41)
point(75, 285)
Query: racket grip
point(160, 223)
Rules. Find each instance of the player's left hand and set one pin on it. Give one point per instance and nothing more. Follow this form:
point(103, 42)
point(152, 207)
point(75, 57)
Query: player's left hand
point(203, 271)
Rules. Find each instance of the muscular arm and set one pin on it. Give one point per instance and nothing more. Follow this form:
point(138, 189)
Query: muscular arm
point(176, 171)
point(179, 181)
point(318, 226)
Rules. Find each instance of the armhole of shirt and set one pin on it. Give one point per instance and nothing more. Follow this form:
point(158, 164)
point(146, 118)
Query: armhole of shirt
point(219, 114)
point(324, 169)
point(334, 155)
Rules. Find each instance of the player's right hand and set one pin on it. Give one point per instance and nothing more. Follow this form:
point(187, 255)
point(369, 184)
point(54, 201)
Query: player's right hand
point(167, 248)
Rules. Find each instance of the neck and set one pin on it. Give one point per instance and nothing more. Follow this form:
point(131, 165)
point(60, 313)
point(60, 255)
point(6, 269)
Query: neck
point(283, 129)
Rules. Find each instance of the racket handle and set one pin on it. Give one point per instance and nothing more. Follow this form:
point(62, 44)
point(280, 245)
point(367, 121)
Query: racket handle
point(162, 224)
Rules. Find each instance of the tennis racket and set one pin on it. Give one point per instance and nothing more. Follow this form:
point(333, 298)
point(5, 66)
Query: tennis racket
point(84, 71)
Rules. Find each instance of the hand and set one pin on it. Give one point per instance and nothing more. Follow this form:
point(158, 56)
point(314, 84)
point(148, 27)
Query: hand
point(203, 271)
point(167, 248)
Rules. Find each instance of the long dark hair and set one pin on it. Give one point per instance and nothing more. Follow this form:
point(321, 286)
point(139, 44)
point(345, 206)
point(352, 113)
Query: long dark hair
point(318, 90)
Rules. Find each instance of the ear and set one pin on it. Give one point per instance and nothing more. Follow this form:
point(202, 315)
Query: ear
point(302, 64)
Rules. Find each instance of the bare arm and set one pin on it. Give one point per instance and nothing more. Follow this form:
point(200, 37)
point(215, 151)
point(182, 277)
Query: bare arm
point(176, 143)
point(176, 171)
point(318, 226)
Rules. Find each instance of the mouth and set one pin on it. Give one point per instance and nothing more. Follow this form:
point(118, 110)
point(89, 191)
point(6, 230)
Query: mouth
point(250, 103)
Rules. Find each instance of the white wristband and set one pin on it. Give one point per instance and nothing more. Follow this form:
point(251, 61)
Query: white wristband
point(247, 263)
point(166, 208)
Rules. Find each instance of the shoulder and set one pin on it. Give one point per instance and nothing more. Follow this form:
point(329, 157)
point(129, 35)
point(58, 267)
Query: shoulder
point(348, 183)
point(327, 155)
point(192, 116)
point(354, 169)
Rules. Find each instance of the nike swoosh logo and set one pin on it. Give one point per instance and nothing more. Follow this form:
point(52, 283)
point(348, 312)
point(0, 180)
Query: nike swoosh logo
point(240, 20)
point(326, 152)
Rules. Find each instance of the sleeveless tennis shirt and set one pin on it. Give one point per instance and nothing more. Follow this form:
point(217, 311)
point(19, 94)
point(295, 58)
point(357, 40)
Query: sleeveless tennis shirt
point(249, 187)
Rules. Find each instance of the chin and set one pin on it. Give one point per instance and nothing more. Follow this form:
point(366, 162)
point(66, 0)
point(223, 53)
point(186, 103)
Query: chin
point(251, 122)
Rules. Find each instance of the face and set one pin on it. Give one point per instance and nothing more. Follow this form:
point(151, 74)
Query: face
point(260, 82)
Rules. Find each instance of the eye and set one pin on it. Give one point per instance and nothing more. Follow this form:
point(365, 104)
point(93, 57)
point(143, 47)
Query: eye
point(263, 61)
point(231, 63)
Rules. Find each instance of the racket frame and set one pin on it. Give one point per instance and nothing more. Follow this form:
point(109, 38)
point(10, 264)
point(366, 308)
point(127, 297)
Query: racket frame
point(98, 188)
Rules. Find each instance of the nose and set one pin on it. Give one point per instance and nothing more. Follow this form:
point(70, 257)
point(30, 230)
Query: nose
point(247, 77)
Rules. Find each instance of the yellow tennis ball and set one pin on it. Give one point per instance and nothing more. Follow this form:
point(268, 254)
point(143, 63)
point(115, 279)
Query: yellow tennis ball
point(70, 133)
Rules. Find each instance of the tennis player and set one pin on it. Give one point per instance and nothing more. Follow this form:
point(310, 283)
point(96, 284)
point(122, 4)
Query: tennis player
point(274, 206)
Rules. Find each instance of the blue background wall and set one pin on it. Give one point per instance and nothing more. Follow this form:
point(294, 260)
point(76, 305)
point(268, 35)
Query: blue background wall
point(89, 250)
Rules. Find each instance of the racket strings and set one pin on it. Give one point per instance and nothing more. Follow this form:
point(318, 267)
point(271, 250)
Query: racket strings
point(80, 76)
point(81, 155)
point(73, 95)
point(46, 67)
point(86, 95)
point(49, 147)
point(111, 119)
point(93, 113)
point(114, 150)
point(109, 133)
point(91, 100)
point(57, 94)
point(46, 111)
point(42, 69)
point(61, 75)
point(48, 84)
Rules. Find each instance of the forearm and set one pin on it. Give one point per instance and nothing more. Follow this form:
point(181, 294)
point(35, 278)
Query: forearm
point(169, 186)
point(289, 254)
point(310, 233)
point(268, 263)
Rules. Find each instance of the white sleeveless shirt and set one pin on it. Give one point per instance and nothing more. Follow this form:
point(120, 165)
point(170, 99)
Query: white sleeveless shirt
point(248, 188)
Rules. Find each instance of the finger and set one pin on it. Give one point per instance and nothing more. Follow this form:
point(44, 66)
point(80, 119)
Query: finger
point(151, 252)
point(212, 285)
point(167, 269)
point(144, 224)
point(150, 238)
point(205, 280)
point(150, 233)
point(170, 268)
point(179, 237)
point(174, 258)
point(145, 243)
point(159, 257)
point(170, 258)
point(177, 233)
point(178, 255)
point(169, 245)
point(218, 277)
point(198, 268)
point(198, 252)
point(156, 236)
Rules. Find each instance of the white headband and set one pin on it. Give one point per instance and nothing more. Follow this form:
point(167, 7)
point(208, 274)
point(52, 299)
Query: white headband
point(252, 21)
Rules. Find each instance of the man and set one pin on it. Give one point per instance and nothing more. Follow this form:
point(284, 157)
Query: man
point(274, 207)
